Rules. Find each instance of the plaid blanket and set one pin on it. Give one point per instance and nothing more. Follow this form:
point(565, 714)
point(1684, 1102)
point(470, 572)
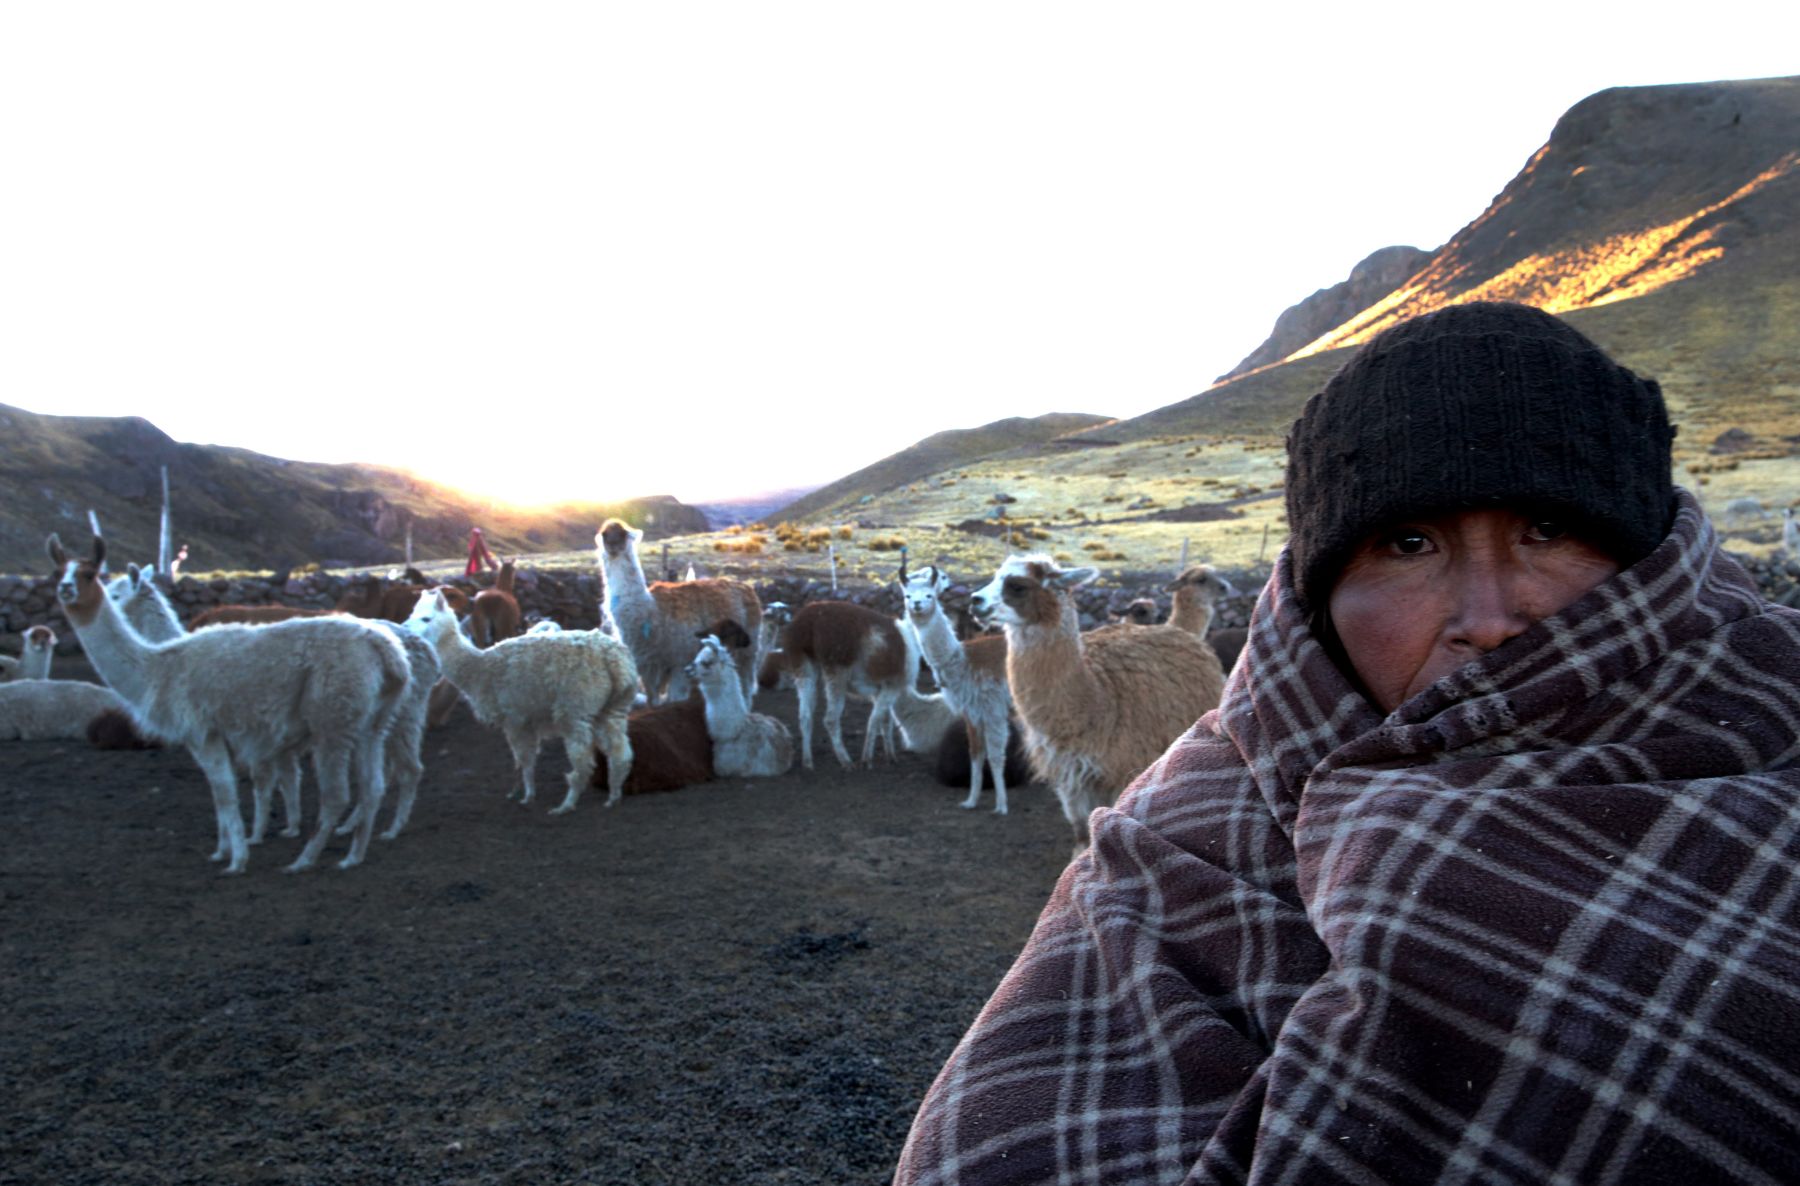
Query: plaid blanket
point(1541, 924)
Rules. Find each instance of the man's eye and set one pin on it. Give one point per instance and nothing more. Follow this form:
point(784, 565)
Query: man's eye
point(1409, 543)
point(1545, 530)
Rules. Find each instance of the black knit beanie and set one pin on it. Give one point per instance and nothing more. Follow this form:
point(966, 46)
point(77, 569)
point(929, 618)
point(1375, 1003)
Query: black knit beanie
point(1471, 406)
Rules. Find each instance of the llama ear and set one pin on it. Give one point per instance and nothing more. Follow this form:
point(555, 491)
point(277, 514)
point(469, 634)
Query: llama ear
point(636, 534)
point(1072, 578)
point(54, 547)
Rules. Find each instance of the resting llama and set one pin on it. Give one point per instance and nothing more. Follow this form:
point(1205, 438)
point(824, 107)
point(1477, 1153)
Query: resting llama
point(660, 622)
point(1097, 708)
point(40, 648)
point(851, 649)
point(52, 709)
point(745, 744)
point(328, 685)
point(972, 675)
point(571, 685)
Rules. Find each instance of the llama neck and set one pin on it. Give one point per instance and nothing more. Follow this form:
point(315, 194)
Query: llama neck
point(124, 660)
point(459, 658)
point(1046, 663)
point(725, 707)
point(153, 618)
point(942, 650)
point(1192, 613)
point(625, 584)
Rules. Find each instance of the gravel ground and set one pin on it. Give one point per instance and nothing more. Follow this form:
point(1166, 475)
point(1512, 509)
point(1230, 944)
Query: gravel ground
point(747, 982)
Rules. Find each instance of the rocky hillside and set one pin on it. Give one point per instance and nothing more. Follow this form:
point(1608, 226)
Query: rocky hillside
point(1299, 325)
point(241, 510)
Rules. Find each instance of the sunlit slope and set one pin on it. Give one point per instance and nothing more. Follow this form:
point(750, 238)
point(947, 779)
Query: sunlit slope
point(935, 454)
point(242, 510)
point(1663, 221)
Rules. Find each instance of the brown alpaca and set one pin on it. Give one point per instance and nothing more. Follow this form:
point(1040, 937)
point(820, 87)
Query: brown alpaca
point(1098, 708)
point(853, 649)
point(375, 597)
point(670, 746)
point(494, 613)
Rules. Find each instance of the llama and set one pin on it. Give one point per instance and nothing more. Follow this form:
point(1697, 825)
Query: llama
point(250, 693)
point(659, 622)
point(494, 613)
point(252, 615)
point(850, 648)
point(373, 597)
point(568, 685)
point(973, 678)
point(40, 647)
point(148, 612)
point(745, 744)
point(1196, 596)
point(52, 709)
point(1142, 612)
point(1100, 707)
point(404, 761)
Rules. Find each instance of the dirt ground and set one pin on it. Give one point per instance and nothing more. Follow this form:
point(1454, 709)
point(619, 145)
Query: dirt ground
point(747, 982)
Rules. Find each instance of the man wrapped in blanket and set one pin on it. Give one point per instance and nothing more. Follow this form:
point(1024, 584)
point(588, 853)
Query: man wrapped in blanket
point(1487, 868)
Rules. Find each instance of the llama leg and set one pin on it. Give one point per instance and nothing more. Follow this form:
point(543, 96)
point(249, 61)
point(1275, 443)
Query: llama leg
point(996, 760)
point(1078, 802)
point(807, 686)
point(368, 762)
point(578, 746)
point(404, 770)
point(524, 743)
point(215, 761)
point(616, 742)
point(287, 781)
point(331, 766)
point(262, 793)
point(834, 717)
point(881, 726)
point(977, 754)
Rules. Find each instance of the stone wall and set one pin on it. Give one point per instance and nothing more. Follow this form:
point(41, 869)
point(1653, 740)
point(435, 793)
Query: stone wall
point(572, 596)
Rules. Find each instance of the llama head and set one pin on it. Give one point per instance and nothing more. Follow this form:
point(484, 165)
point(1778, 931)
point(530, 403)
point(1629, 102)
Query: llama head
point(729, 632)
point(778, 613)
point(615, 538)
point(39, 639)
point(1142, 612)
point(431, 617)
point(713, 661)
point(922, 591)
point(1028, 590)
point(1206, 583)
point(545, 626)
point(78, 582)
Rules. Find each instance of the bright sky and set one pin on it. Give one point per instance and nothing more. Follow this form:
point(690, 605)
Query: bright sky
point(596, 250)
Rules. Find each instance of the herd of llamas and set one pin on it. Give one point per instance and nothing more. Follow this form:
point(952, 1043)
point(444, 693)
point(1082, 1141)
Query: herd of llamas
point(660, 696)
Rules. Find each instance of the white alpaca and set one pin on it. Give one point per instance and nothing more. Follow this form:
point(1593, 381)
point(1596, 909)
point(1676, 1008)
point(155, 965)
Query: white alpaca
point(52, 709)
point(403, 755)
point(148, 612)
point(745, 744)
point(571, 685)
point(660, 622)
point(40, 646)
point(1098, 708)
point(851, 649)
point(256, 693)
point(972, 675)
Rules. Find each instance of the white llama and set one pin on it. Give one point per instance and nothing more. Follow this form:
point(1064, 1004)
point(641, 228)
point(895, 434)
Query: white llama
point(745, 744)
point(972, 675)
point(328, 685)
